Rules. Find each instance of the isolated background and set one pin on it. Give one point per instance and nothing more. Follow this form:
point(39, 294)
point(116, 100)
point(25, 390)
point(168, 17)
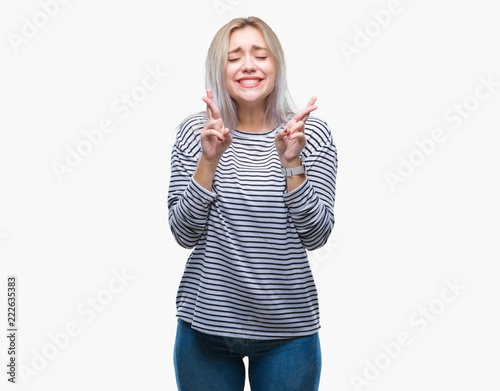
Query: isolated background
point(390, 252)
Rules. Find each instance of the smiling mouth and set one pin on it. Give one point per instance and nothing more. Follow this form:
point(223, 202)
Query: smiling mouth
point(249, 83)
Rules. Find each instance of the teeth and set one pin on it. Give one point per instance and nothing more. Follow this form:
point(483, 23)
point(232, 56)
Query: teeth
point(250, 81)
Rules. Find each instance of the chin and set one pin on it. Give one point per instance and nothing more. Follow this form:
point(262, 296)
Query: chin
point(250, 100)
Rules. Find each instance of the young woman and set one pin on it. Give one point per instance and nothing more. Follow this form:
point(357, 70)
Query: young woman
point(252, 188)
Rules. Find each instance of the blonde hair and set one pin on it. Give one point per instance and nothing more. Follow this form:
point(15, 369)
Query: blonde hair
point(279, 102)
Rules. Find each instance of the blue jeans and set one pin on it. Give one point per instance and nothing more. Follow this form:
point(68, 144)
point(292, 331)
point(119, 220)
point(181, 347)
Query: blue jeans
point(206, 362)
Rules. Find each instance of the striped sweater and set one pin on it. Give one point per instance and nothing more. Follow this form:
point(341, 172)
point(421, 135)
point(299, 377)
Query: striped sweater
point(248, 275)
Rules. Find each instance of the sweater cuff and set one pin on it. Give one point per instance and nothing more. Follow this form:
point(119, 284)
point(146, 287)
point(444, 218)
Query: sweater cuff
point(196, 194)
point(301, 197)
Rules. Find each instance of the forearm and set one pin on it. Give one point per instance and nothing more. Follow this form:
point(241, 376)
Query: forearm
point(205, 172)
point(313, 217)
point(188, 213)
point(311, 203)
point(188, 202)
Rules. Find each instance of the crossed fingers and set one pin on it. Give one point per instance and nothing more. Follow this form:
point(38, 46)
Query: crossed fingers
point(213, 111)
point(298, 122)
point(215, 126)
point(303, 114)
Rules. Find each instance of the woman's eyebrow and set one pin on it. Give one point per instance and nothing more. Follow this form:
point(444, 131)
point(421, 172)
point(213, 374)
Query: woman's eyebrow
point(254, 47)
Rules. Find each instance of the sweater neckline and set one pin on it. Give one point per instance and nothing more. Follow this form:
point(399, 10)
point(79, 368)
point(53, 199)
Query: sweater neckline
point(241, 133)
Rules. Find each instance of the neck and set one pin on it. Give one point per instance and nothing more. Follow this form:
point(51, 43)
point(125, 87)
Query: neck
point(253, 120)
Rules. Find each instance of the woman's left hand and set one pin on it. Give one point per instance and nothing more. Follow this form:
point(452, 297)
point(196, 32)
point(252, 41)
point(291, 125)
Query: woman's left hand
point(291, 140)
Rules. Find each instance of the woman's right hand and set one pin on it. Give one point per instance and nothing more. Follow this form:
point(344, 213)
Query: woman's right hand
point(215, 138)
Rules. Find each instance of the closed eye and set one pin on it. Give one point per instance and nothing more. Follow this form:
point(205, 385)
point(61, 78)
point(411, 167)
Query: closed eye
point(233, 59)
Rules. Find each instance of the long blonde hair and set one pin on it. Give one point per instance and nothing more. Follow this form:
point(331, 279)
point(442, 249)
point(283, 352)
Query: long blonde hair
point(279, 102)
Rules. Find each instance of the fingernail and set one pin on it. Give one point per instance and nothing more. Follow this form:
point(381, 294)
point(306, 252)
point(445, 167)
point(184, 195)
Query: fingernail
point(286, 131)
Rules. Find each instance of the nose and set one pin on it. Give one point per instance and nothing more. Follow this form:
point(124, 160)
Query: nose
point(248, 64)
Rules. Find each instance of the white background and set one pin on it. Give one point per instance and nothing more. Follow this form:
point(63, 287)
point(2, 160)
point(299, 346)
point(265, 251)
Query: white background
point(390, 253)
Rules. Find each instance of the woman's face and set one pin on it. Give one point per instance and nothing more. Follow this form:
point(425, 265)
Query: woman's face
point(250, 71)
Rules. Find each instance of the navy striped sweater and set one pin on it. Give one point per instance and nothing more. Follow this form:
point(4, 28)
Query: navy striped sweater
point(248, 275)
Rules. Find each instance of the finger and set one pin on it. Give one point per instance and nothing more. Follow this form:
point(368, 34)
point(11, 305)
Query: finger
point(281, 134)
point(289, 126)
point(214, 124)
point(215, 110)
point(302, 115)
point(210, 103)
point(211, 123)
point(298, 127)
point(307, 116)
point(298, 136)
point(212, 109)
point(312, 101)
point(312, 105)
point(213, 132)
point(209, 112)
point(228, 137)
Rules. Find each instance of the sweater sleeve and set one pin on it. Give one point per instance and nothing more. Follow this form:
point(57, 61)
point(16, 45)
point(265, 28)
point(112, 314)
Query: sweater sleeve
point(188, 202)
point(311, 204)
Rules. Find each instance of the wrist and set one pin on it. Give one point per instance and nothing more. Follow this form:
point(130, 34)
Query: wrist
point(296, 162)
point(208, 162)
